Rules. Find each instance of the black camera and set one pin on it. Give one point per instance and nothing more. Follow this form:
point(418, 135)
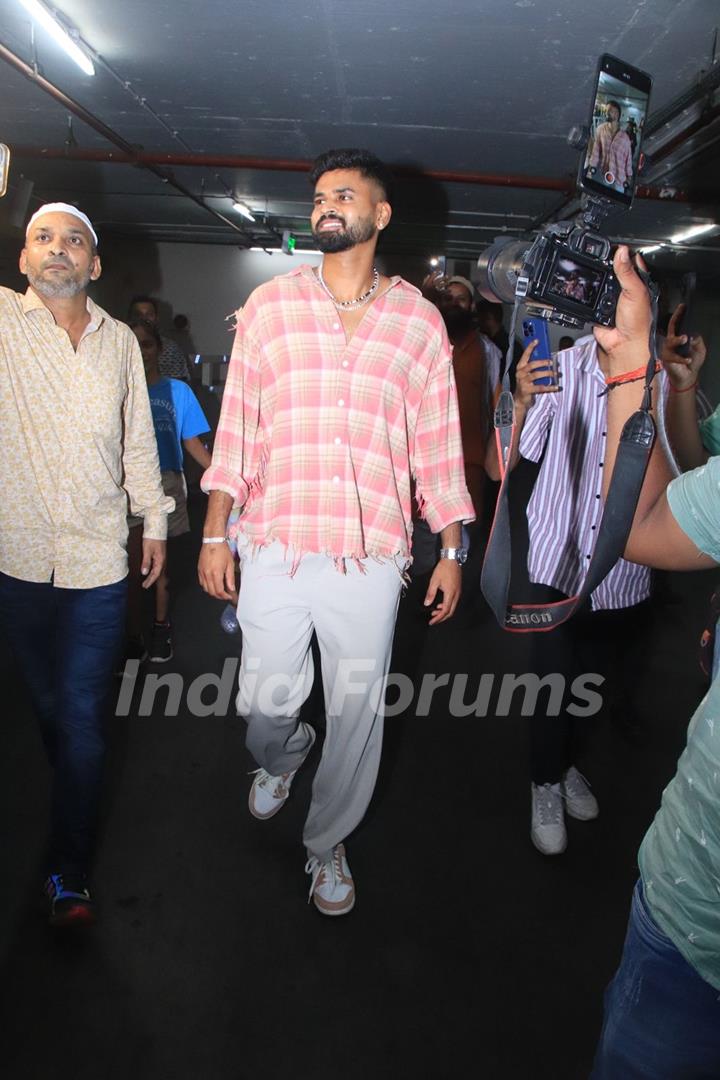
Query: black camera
point(565, 273)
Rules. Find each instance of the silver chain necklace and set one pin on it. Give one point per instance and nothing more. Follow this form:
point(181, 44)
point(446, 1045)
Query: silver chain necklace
point(349, 305)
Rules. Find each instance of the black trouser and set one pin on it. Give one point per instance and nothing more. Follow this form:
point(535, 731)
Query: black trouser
point(597, 642)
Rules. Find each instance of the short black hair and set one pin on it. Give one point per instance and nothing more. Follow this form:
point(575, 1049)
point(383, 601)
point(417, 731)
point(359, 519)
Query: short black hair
point(366, 163)
point(617, 106)
point(143, 300)
point(151, 329)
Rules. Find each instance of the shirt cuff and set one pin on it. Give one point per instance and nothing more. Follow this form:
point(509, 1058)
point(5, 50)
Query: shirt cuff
point(155, 521)
point(218, 478)
point(442, 510)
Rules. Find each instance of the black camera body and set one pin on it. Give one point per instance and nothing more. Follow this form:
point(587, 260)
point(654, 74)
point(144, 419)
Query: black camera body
point(567, 277)
point(564, 274)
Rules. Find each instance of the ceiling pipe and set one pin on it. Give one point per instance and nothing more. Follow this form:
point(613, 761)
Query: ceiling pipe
point(124, 147)
point(565, 185)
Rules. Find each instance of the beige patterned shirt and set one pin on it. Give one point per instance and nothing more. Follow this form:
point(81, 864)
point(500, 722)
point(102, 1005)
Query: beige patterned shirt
point(76, 443)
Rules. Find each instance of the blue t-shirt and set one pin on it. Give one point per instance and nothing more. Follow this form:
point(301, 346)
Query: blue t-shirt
point(176, 415)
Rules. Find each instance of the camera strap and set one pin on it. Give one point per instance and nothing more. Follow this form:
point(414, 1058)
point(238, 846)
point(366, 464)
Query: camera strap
point(636, 442)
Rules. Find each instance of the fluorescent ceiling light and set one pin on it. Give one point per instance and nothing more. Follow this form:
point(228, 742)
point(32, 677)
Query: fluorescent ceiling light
point(243, 210)
point(274, 250)
point(688, 234)
point(648, 250)
point(41, 14)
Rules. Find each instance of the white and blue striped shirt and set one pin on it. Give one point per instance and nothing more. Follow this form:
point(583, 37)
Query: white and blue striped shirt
point(566, 505)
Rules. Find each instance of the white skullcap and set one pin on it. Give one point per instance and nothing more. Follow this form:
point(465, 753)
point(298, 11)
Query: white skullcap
point(457, 280)
point(62, 208)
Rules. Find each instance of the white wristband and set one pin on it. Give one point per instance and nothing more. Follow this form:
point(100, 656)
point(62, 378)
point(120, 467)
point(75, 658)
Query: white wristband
point(214, 540)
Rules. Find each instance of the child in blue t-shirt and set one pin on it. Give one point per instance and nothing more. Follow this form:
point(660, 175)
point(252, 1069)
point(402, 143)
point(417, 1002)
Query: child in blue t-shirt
point(179, 421)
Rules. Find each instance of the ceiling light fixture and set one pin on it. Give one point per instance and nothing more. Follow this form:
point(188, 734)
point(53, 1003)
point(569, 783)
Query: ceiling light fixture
point(650, 249)
point(243, 210)
point(688, 234)
point(276, 250)
point(42, 15)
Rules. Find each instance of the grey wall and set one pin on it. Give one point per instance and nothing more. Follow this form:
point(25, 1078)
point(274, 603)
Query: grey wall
point(206, 282)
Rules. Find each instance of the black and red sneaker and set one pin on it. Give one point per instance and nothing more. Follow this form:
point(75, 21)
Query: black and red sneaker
point(70, 901)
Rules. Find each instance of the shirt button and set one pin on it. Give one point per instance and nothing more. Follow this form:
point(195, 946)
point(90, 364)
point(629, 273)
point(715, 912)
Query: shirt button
point(604, 434)
point(597, 496)
point(336, 480)
point(341, 402)
point(345, 363)
point(587, 556)
point(593, 526)
point(338, 440)
point(601, 464)
point(336, 326)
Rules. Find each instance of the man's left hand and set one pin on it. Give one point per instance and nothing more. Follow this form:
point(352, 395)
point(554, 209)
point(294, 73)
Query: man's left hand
point(447, 577)
point(153, 560)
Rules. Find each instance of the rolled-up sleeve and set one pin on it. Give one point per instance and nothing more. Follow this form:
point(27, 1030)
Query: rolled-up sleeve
point(439, 469)
point(141, 467)
point(537, 427)
point(237, 450)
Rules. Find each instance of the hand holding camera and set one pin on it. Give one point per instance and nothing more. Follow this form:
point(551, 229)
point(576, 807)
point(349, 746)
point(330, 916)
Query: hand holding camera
point(627, 344)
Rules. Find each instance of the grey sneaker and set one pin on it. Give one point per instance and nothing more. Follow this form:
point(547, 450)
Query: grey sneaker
point(547, 831)
point(332, 888)
point(579, 799)
point(269, 793)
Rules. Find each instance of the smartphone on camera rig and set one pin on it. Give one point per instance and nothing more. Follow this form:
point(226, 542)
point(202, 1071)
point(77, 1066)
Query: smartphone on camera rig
point(565, 273)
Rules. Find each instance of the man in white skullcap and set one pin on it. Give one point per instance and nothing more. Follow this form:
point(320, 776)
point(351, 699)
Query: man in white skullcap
point(76, 444)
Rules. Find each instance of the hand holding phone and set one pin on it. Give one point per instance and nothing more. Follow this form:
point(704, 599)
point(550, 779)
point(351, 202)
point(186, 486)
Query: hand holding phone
point(683, 320)
point(534, 329)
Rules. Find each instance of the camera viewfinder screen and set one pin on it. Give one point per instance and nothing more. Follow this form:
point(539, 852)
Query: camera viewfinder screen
point(573, 281)
point(616, 130)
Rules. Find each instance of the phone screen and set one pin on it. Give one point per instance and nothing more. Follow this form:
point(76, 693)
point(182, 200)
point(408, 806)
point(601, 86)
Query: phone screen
point(617, 122)
point(4, 168)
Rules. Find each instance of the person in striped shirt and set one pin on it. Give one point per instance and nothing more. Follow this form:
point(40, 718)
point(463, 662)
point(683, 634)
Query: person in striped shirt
point(564, 428)
point(340, 392)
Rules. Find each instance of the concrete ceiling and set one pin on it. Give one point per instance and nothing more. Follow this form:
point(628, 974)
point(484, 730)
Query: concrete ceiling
point(460, 87)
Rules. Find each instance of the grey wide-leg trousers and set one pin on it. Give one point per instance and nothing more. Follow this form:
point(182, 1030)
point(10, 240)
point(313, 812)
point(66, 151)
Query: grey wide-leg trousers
point(353, 615)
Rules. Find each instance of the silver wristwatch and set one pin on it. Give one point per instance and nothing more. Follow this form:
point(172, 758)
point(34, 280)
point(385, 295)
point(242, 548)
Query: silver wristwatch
point(458, 554)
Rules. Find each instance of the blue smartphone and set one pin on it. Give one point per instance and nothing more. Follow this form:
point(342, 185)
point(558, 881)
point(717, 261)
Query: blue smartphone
point(537, 329)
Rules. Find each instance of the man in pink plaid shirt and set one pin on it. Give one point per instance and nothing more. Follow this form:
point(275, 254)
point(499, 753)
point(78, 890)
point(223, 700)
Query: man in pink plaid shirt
point(340, 395)
point(611, 153)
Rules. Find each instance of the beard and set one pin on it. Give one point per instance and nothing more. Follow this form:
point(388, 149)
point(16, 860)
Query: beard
point(344, 239)
point(458, 321)
point(59, 288)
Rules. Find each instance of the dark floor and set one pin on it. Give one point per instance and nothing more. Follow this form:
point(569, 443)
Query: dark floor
point(467, 949)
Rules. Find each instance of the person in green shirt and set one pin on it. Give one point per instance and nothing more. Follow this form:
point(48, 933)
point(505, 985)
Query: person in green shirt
point(662, 1009)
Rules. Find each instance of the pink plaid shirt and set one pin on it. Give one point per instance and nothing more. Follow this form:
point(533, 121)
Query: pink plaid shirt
point(319, 437)
point(612, 154)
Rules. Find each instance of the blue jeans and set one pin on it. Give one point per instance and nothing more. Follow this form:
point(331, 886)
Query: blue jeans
point(66, 642)
point(662, 1020)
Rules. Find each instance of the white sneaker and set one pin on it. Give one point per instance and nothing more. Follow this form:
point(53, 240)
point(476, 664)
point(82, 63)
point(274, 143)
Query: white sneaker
point(548, 832)
point(579, 799)
point(269, 793)
point(332, 887)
